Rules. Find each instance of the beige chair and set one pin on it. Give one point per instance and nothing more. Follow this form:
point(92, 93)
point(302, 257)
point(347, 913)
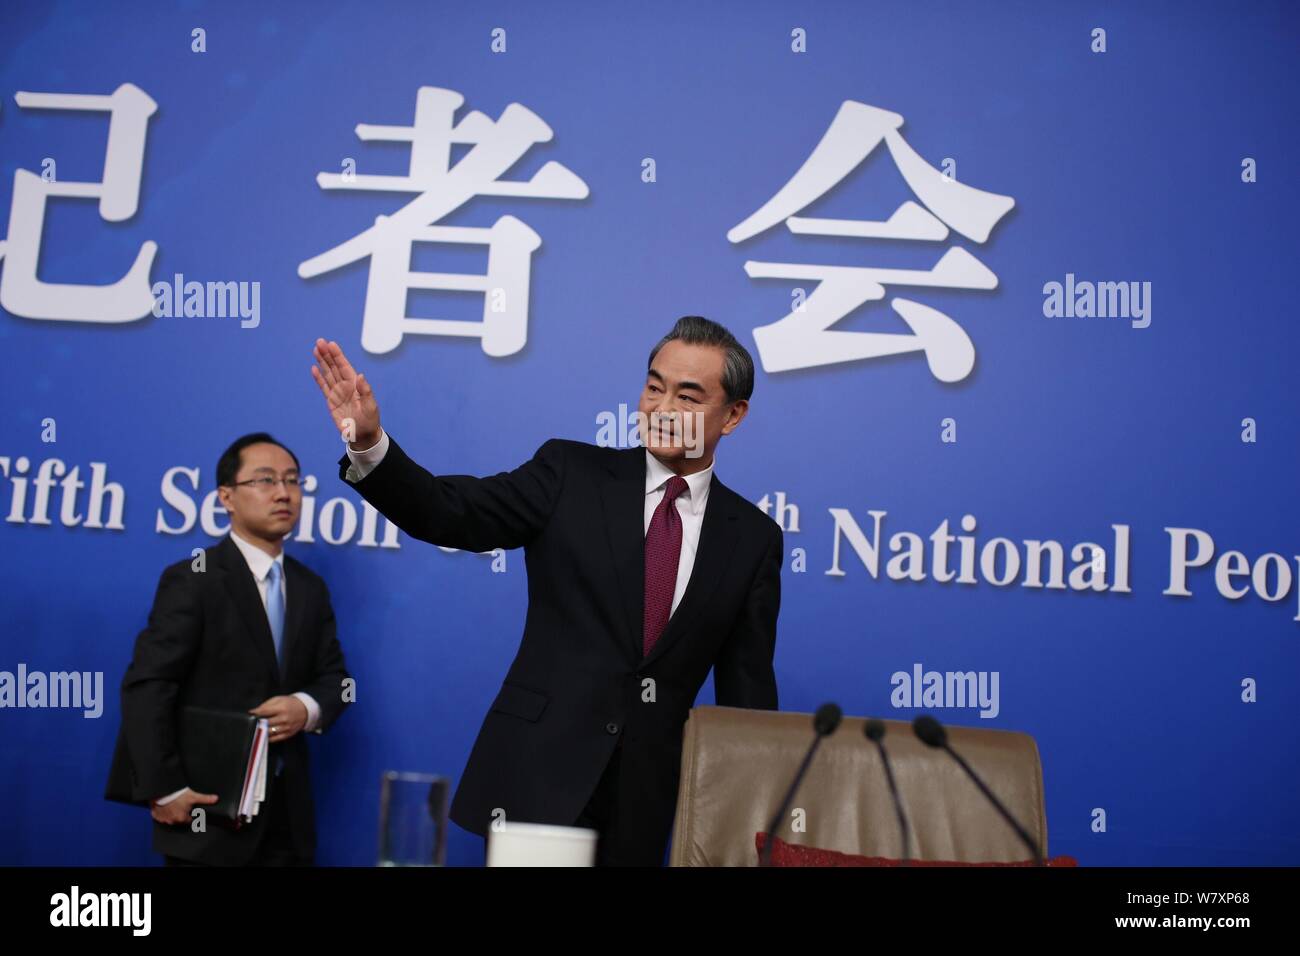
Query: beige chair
point(737, 765)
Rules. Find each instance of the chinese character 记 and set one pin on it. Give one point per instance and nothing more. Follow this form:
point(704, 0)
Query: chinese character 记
point(126, 300)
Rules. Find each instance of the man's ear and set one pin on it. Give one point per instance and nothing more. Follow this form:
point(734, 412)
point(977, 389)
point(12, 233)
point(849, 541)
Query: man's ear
point(224, 495)
point(735, 416)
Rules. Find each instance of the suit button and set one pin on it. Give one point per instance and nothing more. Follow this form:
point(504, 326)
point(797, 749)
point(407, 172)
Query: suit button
point(611, 728)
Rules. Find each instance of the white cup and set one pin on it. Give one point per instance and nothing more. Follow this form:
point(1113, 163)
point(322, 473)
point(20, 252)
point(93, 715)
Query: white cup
point(539, 844)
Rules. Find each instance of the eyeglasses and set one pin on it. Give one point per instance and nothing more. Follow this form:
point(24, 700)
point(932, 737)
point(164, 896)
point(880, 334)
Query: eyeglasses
point(267, 483)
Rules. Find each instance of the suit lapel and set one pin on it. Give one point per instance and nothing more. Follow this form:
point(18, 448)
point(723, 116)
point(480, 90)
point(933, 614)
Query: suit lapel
point(242, 588)
point(623, 500)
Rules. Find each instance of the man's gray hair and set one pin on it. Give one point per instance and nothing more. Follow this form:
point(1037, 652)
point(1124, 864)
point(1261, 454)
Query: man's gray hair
point(737, 365)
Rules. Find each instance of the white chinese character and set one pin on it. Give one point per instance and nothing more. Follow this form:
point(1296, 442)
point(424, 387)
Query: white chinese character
point(803, 338)
point(443, 188)
point(125, 300)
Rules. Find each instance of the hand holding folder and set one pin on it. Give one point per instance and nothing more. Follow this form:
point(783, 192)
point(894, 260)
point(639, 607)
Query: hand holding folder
point(179, 807)
point(225, 753)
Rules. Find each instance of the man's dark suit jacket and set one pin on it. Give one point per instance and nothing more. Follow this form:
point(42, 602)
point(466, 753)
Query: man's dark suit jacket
point(208, 643)
point(579, 681)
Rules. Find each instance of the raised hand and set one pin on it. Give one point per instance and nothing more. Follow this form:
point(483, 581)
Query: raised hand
point(349, 396)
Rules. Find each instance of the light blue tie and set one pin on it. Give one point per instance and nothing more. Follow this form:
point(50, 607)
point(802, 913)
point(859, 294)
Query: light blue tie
point(275, 606)
point(275, 616)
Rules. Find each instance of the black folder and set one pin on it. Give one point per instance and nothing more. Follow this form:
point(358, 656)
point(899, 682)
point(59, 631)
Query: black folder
point(217, 752)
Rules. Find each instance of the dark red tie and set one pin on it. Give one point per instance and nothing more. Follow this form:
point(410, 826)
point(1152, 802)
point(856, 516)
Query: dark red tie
point(663, 549)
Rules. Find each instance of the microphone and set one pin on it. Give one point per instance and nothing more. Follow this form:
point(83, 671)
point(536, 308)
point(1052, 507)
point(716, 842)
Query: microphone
point(875, 732)
point(932, 734)
point(825, 722)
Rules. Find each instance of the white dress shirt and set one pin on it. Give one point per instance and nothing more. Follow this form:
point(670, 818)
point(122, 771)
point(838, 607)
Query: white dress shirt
point(690, 503)
point(259, 562)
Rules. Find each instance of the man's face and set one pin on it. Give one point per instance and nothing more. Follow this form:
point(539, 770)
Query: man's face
point(683, 404)
point(266, 512)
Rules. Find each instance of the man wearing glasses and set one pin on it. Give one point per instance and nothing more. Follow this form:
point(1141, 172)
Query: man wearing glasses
point(243, 628)
point(645, 572)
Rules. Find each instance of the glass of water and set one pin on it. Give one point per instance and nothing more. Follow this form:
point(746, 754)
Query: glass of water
point(412, 819)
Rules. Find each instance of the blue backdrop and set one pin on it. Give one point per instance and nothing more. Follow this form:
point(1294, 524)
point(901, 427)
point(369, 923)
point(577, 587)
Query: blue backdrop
point(1159, 159)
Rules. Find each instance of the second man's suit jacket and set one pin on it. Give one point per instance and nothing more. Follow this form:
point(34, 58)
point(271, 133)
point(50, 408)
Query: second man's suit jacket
point(579, 681)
